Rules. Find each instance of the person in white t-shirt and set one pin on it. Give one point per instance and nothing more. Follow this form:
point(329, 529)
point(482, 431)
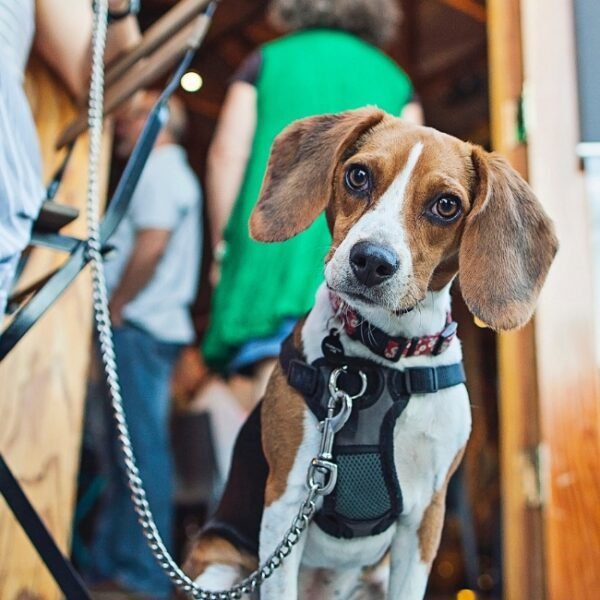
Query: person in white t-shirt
point(60, 31)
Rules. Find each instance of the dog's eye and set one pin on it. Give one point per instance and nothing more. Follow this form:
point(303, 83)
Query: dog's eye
point(446, 207)
point(357, 178)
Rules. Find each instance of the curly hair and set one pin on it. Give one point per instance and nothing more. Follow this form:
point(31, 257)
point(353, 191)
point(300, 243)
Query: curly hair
point(375, 21)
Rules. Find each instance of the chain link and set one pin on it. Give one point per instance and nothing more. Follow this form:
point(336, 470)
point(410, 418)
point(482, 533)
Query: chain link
point(107, 352)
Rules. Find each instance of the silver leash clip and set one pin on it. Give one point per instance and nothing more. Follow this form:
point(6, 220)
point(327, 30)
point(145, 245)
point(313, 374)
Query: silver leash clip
point(322, 472)
point(321, 476)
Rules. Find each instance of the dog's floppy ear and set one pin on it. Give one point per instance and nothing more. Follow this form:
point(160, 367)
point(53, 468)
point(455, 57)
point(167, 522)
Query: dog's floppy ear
point(507, 245)
point(299, 179)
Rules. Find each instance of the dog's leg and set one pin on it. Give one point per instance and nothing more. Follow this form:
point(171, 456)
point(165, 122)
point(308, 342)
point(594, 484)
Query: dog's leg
point(325, 584)
point(218, 577)
point(414, 547)
point(408, 572)
point(277, 518)
point(215, 564)
point(290, 440)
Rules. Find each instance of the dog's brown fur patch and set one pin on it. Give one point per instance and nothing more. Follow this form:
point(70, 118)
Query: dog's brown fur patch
point(430, 530)
point(282, 417)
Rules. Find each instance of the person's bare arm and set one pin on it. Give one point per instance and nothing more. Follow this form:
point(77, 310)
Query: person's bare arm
point(63, 38)
point(149, 247)
point(228, 155)
point(413, 112)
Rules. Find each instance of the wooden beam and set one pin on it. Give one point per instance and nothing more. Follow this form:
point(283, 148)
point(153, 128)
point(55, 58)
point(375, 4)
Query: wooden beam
point(155, 36)
point(232, 16)
point(142, 75)
point(451, 63)
point(519, 426)
point(568, 375)
point(468, 7)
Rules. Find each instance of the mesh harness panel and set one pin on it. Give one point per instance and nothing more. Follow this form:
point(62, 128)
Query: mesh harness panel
point(367, 497)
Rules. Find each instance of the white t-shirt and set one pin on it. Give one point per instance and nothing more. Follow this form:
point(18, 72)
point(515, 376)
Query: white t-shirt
point(21, 188)
point(168, 196)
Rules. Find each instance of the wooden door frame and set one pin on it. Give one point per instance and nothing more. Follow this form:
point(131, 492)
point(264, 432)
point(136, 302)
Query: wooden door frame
point(518, 390)
point(548, 371)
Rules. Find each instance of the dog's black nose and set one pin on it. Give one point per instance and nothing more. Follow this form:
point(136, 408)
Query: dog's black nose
point(372, 264)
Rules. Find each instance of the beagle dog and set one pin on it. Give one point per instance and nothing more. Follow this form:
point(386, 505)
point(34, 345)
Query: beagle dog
point(409, 209)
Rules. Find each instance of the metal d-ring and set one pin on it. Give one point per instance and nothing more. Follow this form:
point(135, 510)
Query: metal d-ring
point(333, 379)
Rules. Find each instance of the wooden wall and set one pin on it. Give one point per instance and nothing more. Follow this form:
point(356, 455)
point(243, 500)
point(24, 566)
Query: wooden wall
point(42, 382)
point(550, 397)
point(566, 363)
point(523, 568)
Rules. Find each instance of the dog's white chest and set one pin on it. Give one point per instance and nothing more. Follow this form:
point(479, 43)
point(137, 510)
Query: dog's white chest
point(427, 437)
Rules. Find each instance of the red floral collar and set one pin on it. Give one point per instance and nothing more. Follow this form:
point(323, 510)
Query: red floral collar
point(387, 346)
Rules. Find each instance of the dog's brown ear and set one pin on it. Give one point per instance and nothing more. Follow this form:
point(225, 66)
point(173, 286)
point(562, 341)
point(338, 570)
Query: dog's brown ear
point(507, 245)
point(299, 179)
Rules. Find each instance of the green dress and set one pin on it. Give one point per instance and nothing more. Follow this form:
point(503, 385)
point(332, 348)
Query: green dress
point(303, 74)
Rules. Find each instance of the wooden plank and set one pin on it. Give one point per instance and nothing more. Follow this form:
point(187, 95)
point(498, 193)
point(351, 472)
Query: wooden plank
point(143, 74)
point(522, 524)
point(468, 7)
point(154, 37)
point(42, 382)
point(567, 364)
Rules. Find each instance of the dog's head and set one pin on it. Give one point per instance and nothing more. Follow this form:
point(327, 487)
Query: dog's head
point(408, 208)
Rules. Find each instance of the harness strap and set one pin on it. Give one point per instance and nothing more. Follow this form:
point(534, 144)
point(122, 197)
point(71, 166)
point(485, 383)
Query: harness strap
point(367, 497)
point(308, 378)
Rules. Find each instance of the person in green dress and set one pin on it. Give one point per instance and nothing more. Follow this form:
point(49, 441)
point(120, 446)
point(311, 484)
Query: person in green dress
point(329, 61)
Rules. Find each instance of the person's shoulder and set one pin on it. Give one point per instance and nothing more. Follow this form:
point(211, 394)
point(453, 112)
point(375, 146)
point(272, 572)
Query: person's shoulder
point(249, 70)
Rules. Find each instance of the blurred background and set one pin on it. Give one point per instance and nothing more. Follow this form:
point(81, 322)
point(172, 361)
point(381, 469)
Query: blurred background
point(515, 76)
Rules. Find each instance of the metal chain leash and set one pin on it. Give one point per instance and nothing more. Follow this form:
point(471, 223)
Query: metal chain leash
point(322, 472)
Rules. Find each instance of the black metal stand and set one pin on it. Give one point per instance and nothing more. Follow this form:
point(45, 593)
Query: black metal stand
point(62, 570)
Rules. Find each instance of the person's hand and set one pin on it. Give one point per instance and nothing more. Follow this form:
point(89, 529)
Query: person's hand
point(214, 273)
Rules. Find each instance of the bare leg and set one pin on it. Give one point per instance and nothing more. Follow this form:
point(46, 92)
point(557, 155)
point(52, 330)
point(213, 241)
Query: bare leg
point(242, 387)
point(262, 376)
point(227, 416)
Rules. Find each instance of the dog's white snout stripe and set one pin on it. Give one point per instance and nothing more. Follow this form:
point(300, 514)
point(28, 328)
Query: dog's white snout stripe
point(393, 197)
point(383, 224)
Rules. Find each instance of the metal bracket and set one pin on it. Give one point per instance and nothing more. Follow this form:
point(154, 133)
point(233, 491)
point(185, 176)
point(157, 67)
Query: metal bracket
point(534, 475)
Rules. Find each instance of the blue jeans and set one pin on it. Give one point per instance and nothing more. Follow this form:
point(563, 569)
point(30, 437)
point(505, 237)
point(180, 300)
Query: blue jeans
point(119, 551)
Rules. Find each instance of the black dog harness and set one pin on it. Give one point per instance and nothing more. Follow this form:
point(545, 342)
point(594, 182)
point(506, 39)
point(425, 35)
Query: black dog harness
point(367, 497)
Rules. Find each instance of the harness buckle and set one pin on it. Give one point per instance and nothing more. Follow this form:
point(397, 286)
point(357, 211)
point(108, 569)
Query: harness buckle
point(426, 380)
point(445, 338)
point(322, 476)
